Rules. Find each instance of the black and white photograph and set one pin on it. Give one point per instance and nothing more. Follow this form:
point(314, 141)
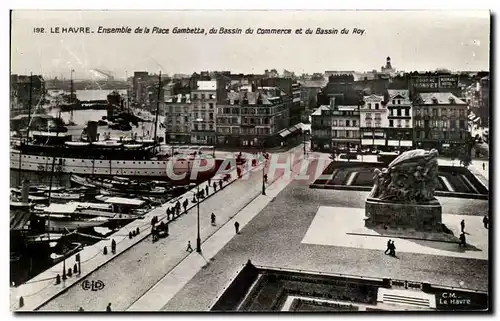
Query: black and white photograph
point(250, 161)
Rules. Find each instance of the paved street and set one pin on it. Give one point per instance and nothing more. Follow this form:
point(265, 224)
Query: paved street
point(137, 270)
point(274, 238)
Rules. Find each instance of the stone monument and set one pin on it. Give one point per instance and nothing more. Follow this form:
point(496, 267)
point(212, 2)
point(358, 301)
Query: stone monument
point(403, 194)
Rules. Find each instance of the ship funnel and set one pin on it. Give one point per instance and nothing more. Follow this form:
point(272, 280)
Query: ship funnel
point(25, 191)
point(92, 131)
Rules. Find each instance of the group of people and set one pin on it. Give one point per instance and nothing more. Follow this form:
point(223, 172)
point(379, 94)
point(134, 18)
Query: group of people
point(175, 211)
point(391, 248)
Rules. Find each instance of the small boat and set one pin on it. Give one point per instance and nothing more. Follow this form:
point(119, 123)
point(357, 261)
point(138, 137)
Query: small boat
point(66, 196)
point(66, 252)
point(20, 205)
point(43, 238)
point(81, 181)
point(63, 223)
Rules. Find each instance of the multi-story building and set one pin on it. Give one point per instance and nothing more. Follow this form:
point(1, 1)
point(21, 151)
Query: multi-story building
point(484, 100)
point(26, 90)
point(203, 112)
point(440, 121)
point(345, 127)
point(399, 114)
point(178, 119)
point(309, 94)
point(252, 116)
point(373, 122)
point(321, 128)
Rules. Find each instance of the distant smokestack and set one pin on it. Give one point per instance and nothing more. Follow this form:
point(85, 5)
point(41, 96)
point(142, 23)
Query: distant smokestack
point(92, 131)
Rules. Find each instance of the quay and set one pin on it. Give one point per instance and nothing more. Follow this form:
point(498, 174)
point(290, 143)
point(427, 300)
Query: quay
point(140, 267)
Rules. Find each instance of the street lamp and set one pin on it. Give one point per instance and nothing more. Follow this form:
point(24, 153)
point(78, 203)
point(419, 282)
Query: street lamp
point(198, 238)
point(264, 172)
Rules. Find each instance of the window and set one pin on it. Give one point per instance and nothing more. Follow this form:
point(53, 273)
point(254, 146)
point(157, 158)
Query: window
point(399, 102)
point(368, 115)
point(399, 122)
point(341, 123)
point(378, 124)
point(393, 102)
point(369, 106)
point(407, 112)
point(391, 123)
point(376, 105)
point(354, 123)
point(399, 112)
point(195, 96)
point(368, 124)
point(347, 123)
point(334, 123)
point(407, 123)
point(377, 116)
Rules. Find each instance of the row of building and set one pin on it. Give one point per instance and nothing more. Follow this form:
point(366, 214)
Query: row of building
point(389, 122)
point(232, 110)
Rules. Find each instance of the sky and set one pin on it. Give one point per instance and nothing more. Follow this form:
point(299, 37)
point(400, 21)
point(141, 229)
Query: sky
point(415, 40)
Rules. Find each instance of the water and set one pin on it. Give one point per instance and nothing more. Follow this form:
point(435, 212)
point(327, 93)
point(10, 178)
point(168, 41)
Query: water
point(90, 94)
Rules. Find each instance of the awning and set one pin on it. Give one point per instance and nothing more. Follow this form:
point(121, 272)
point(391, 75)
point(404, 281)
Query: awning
point(284, 133)
point(379, 142)
point(367, 142)
point(405, 143)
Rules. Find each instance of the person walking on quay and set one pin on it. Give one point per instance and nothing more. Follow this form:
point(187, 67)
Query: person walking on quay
point(214, 185)
point(484, 167)
point(185, 205)
point(220, 184)
point(462, 226)
point(486, 220)
point(206, 190)
point(388, 247)
point(237, 227)
point(212, 219)
point(108, 308)
point(392, 249)
point(463, 242)
point(113, 246)
point(189, 248)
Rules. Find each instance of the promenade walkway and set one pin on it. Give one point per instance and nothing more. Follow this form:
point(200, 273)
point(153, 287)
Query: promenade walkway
point(132, 273)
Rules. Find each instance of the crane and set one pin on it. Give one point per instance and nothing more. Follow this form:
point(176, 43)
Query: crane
point(108, 74)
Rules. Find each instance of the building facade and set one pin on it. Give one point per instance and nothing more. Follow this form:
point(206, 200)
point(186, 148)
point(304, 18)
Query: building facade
point(252, 117)
point(399, 119)
point(373, 122)
point(345, 128)
point(203, 113)
point(440, 121)
point(178, 119)
point(321, 129)
point(484, 101)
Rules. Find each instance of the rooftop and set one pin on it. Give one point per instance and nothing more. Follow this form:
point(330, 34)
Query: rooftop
point(440, 99)
point(320, 109)
point(397, 92)
point(207, 85)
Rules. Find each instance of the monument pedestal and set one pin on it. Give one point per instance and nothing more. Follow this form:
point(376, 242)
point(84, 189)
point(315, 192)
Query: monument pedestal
point(421, 217)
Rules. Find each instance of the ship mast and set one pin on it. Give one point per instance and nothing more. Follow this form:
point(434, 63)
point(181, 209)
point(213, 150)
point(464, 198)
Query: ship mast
point(28, 129)
point(157, 106)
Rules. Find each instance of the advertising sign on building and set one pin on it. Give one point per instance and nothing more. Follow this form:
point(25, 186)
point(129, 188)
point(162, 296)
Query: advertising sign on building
point(426, 82)
point(448, 81)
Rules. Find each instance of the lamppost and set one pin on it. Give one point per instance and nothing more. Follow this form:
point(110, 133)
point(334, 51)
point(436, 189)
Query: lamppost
point(198, 238)
point(264, 172)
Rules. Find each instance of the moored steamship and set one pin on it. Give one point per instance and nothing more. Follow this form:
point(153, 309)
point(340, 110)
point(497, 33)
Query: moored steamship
point(138, 159)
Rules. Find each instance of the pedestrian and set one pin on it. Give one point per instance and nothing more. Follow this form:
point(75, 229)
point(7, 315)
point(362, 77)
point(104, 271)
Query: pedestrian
point(81, 310)
point(206, 190)
point(189, 248)
point(462, 226)
point(178, 211)
point(392, 250)
point(214, 185)
point(185, 206)
point(462, 240)
point(178, 204)
point(152, 221)
point(108, 308)
point(237, 227)
point(486, 221)
point(220, 184)
point(209, 181)
point(388, 247)
point(483, 167)
point(212, 219)
point(168, 211)
point(113, 246)
point(194, 198)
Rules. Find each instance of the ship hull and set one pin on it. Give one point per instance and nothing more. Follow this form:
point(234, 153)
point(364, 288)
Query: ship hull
point(139, 169)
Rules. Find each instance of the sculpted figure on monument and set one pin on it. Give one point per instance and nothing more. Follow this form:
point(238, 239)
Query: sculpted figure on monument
point(410, 178)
